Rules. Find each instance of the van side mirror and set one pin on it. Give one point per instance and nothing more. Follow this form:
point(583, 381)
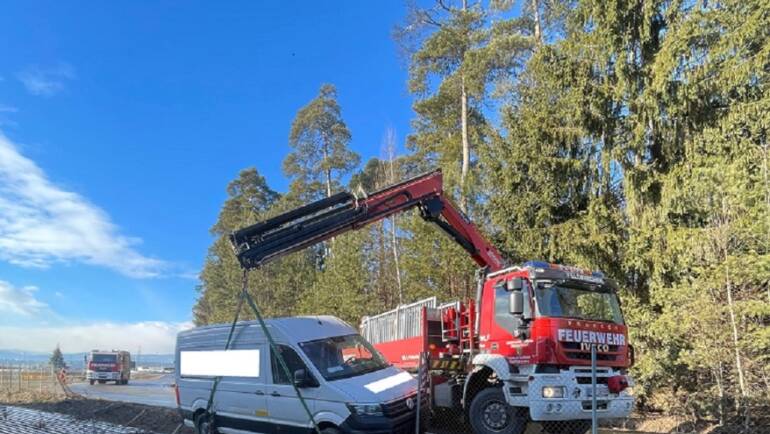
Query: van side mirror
point(517, 302)
point(302, 379)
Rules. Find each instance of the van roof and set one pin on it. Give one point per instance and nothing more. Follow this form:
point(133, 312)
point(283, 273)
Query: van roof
point(295, 329)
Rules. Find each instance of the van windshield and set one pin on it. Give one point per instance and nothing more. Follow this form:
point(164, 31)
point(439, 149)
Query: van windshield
point(343, 356)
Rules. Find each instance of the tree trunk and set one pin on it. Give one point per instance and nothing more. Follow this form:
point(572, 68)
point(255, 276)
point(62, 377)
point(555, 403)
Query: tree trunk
point(466, 146)
point(464, 133)
point(733, 323)
point(536, 18)
point(328, 170)
point(393, 238)
point(766, 176)
point(721, 393)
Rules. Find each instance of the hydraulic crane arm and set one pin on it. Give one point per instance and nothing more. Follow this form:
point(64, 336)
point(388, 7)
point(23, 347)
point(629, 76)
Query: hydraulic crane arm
point(297, 229)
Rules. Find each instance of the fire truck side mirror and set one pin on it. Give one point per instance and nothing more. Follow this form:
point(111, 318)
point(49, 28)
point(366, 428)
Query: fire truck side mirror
point(514, 284)
point(517, 302)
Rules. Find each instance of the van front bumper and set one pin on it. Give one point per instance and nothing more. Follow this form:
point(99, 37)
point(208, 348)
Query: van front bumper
point(403, 424)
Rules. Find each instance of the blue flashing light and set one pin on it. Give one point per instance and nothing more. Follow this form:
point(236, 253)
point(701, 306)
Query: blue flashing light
point(547, 265)
point(536, 264)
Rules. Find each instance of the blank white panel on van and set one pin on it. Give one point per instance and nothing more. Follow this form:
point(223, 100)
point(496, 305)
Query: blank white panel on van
point(221, 363)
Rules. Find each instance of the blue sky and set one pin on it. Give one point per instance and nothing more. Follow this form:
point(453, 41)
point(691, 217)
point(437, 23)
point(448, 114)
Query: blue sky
point(121, 123)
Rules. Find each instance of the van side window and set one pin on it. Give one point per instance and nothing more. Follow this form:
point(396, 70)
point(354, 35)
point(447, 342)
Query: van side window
point(292, 361)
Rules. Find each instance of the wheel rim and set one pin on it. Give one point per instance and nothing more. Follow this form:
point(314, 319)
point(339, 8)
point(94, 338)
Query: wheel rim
point(495, 415)
point(205, 427)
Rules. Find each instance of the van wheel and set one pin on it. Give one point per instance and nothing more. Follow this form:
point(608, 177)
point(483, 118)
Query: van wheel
point(102, 381)
point(91, 382)
point(567, 426)
point(489, 413)
point(204, 425)
point(330, 430)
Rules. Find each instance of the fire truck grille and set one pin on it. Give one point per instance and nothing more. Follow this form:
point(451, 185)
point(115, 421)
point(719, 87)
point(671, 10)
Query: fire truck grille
point(587, 380)
point(573, 351)
point(576, 346)
point(587, 356)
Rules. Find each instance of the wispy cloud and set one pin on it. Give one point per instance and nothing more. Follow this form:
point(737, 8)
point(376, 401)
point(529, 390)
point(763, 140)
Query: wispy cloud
point(20, 301)
point(42, 223)
point(7, 109)
point(154, 336)
point(46, 81)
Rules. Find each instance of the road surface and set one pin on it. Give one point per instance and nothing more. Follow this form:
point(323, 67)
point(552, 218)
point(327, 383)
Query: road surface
point(158, 391)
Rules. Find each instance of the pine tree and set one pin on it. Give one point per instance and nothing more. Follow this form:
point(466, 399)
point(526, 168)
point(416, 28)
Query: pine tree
point(57, 359)
point(458, 52)
point(319, 140)
point(277, 286)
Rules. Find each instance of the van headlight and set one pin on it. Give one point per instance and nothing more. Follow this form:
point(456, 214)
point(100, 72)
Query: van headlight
point(366, 409)
point(553, 392)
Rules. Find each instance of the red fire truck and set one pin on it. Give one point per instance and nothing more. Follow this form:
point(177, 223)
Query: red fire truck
point(519, 351)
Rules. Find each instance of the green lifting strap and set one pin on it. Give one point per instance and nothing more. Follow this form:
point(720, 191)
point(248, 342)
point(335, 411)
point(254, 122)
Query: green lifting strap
point(245, 295)
point(227, 345)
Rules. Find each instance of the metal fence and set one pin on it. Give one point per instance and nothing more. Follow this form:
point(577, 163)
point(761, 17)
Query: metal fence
point(400, 323)
point(20, 378)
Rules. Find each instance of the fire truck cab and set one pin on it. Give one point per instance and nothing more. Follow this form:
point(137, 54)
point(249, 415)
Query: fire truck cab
point(104, 366)
point(537, 325)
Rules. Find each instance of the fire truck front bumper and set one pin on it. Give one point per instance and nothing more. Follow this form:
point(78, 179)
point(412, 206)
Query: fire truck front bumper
point(568, 396)
point(572, 409)
point(96, 375)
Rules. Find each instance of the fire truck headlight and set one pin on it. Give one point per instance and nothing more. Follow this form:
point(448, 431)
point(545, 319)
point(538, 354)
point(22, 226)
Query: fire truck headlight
point(366, 409)
point(553, 392)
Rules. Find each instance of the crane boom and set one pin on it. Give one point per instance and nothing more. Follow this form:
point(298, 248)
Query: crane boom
point(302, 227)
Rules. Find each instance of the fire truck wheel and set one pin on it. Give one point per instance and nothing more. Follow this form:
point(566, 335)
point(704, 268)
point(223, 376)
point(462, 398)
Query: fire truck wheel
point(330, 430)
point(91, 382)
point(203, 425)
point(102, 381)
point(489, 413)
point(567, 427)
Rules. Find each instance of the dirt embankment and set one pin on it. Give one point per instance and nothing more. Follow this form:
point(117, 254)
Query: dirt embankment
point(145, 417)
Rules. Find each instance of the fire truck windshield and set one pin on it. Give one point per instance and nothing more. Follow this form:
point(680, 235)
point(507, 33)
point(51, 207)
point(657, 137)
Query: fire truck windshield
point(568, 301)
point(343, 356)
point(103, 358)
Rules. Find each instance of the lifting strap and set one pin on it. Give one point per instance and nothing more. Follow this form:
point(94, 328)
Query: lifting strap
point(250, 301)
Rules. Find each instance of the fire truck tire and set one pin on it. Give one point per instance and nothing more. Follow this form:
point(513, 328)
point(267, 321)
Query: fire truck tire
point(203, 425)
point(330, 430)
point(102, 381)
point(490, 413)
point(567, 427)
point(91, 382)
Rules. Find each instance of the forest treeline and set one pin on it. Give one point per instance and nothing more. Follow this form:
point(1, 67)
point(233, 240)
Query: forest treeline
point(625, 136)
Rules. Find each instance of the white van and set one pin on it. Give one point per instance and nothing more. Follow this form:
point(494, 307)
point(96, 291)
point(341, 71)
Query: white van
point(346, 383)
